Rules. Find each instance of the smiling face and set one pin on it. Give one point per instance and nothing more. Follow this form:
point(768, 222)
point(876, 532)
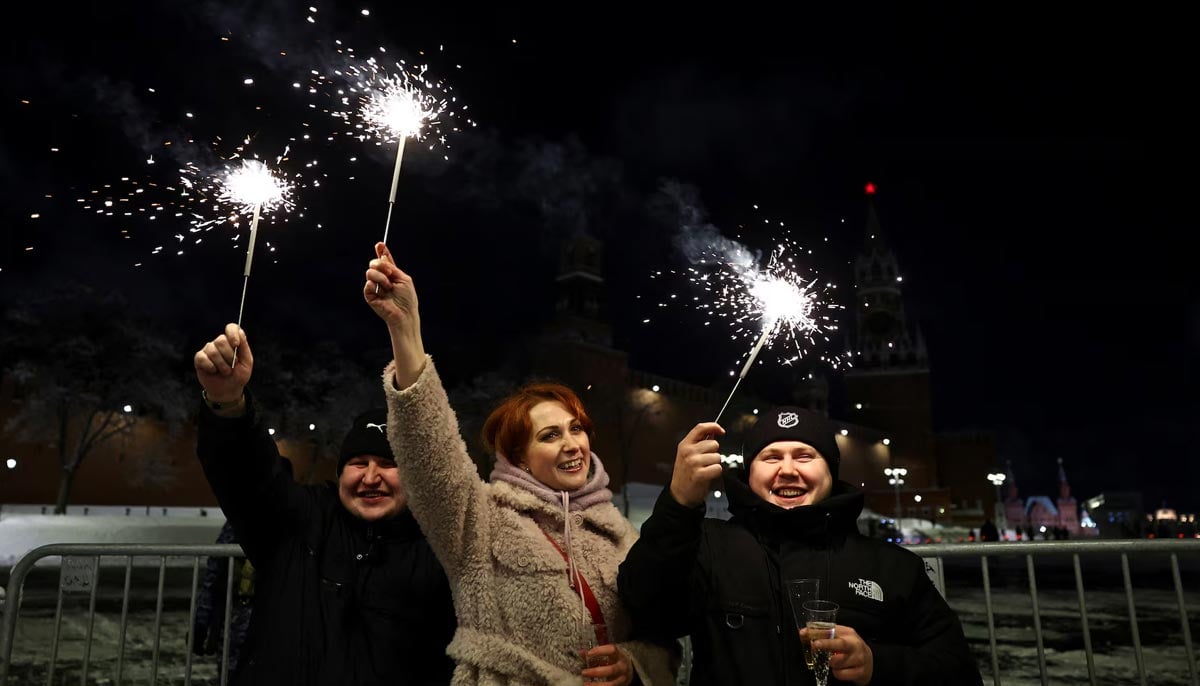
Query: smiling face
point(790, 474)
point(559, 453)
point(370, 489)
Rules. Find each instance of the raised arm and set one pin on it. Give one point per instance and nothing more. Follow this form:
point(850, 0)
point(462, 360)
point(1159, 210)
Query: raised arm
point(443, 486)
point(240, 460)
point(659, 578)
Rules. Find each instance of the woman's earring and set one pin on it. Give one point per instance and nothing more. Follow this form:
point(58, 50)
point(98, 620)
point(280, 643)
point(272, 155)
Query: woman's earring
point(526, 468)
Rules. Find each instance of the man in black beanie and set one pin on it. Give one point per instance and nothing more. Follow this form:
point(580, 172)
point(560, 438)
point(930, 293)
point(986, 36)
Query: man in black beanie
point(725, 583)
point(347, 590)
point(368, 482)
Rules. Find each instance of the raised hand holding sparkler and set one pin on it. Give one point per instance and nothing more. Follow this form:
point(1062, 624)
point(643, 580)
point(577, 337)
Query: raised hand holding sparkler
point(697, 464)
point(392, 295)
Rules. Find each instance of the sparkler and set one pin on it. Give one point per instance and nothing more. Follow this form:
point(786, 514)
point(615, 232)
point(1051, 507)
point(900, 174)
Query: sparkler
point(768, 304)
point(368, 95)
point(397, 107)
point(252, 188)
point(783, 302)
point(201, 198)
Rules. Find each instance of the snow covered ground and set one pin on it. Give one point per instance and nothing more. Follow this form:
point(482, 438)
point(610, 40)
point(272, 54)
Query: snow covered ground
point(1066, 663)
point(1165, 659)
point(21, 532)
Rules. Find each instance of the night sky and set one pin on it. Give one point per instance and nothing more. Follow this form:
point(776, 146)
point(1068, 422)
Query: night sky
point(1033, 172)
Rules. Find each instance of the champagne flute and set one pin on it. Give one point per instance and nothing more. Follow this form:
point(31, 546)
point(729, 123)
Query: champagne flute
point(820, 620)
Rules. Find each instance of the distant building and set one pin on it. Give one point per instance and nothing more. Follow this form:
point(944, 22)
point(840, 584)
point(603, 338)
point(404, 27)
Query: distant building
point(1117, 514)
point(1040, 511)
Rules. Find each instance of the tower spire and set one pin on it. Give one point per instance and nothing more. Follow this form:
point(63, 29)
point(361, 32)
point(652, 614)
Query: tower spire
point(1011, 480)
point(885, 341)
point(874, 232)
point(1064, 488)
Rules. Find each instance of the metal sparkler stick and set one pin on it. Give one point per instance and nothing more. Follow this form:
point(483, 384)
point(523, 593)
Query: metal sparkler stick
point(746, 368)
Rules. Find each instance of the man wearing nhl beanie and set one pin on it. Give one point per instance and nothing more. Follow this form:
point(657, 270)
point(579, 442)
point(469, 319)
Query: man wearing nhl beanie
point(726, 584)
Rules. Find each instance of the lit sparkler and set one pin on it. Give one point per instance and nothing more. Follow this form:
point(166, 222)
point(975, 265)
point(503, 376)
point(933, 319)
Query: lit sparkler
point(398, 107)
point(769, 305)
point(203, 197)
point(252, 188)
point(369, 95)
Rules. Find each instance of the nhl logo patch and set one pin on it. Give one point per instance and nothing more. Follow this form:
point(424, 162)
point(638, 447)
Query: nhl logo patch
point(788, 419)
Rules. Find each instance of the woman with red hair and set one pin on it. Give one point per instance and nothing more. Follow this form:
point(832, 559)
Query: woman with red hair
point(532, 554)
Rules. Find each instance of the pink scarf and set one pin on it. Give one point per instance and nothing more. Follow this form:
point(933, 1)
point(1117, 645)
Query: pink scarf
point(594, 492)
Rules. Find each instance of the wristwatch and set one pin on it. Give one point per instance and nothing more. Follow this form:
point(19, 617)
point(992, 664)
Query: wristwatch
point(213, 405)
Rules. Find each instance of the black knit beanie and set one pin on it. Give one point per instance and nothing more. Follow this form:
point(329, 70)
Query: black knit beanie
point(367, 436)
point(787, 423)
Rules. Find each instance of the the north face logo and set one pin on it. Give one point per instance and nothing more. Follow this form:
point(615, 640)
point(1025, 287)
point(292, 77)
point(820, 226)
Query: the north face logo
point(867, 589)
point(376, 426)
point(788, 419)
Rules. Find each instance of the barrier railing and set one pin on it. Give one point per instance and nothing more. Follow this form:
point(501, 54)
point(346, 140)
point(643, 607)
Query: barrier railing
point(79, 572)
point(1076, 550)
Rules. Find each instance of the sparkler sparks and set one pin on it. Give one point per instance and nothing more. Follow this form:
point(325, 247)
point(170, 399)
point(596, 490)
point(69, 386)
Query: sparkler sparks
point(252, 185)
point(341, 100)
point(399, 108)
point(386, 101)
point(773, 305)
point(776, 301)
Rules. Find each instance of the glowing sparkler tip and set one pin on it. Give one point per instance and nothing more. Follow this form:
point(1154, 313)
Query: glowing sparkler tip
point(254, 184)
point(782, 300)
point(399, 107)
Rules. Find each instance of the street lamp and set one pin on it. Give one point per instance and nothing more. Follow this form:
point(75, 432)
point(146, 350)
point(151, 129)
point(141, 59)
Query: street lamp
point(997, 479)
point(896, 480)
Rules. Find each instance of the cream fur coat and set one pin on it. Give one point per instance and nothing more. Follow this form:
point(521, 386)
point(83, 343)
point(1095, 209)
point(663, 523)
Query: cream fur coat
point(517, 615)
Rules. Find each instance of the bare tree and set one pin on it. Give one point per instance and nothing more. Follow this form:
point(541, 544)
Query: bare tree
point(85, 367)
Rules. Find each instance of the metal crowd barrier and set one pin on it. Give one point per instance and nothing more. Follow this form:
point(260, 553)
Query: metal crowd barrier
point(79, 571)
point(82, 561)
point(1076, 549)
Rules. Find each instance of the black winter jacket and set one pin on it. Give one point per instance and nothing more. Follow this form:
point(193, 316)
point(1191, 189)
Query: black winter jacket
point(722, 582)
point(337, 600)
